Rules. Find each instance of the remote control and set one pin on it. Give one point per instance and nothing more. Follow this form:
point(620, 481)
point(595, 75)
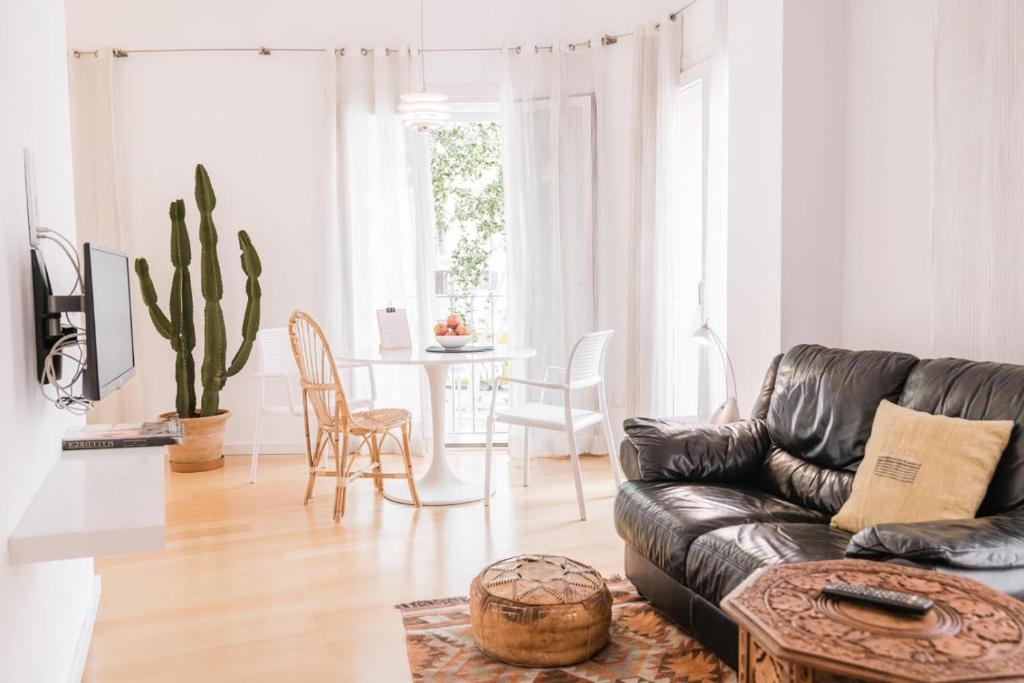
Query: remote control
point(904, 602)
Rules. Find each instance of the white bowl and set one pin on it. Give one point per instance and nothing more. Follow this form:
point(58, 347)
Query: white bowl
point(453, 342)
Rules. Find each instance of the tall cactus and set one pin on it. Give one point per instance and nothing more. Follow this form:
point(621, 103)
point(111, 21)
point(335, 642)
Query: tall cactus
point(180, 329)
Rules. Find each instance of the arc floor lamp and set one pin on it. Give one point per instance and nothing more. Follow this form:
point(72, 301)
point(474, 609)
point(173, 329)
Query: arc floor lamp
point(729, 411)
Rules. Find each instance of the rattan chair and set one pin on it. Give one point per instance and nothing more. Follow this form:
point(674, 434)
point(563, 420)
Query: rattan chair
point(322, 390)
point(275, 364)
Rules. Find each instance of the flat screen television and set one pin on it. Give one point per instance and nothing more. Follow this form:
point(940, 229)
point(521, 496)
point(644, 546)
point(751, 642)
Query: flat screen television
point(110, 351)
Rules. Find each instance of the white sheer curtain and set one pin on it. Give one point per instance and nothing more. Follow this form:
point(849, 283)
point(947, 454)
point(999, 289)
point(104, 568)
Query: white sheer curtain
point(379, 247)
point(716, 102)
point(548, 103)
point(677, 211)
point(92, 84)
point(656, 55)
point(978, 209)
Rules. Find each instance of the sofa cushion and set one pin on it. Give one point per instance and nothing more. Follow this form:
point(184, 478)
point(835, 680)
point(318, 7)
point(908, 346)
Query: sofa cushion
point(719, 560)
point(993, 542)
point(921, 467)
point(805, 483)
point(661, 519)
point(977, 391)
point(825, 400)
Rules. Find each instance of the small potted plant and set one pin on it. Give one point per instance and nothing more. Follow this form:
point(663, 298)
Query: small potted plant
point(204, 423)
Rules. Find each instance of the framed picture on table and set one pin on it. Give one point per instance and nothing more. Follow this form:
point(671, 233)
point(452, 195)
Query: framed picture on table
point(393, 326)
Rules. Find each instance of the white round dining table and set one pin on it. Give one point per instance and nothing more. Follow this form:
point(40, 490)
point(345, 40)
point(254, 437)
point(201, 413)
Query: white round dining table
point(440, 485)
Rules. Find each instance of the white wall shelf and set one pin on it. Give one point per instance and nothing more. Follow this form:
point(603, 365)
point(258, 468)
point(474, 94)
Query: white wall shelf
point(92, 503)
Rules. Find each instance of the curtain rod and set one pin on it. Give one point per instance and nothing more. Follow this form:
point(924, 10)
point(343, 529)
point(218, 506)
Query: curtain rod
point(606, 39)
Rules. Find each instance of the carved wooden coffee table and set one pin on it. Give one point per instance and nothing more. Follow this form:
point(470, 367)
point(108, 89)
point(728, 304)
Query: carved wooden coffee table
point(790, 632)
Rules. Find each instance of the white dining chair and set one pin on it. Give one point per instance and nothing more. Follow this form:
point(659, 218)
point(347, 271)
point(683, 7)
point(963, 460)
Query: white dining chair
point(586, 369)
point(276, 363)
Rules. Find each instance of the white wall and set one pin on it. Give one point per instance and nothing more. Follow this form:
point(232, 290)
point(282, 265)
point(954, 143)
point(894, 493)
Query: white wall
point(813, 171)
point(854, 172)
point(829, 153)
point(887, 267)
point(42, 606)
point(324, 23)
point(787, 165)
point(254, 122)
point(255, 126)
point(754, 297)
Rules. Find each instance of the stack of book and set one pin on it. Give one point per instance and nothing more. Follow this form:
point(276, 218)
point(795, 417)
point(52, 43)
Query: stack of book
point(133, 435)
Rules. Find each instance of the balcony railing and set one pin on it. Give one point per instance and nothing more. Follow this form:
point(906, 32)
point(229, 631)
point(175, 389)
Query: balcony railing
point(470, 387)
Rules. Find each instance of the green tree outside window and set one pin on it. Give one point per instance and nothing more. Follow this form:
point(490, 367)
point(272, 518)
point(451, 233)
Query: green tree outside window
point(469, 201)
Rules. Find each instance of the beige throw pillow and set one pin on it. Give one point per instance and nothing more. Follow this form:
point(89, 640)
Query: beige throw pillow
point(919, 467)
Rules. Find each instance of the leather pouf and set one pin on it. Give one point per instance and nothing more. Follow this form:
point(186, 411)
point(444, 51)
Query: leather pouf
point(540, 611)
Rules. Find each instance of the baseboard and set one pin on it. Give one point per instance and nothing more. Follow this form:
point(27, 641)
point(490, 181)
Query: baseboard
point(594, 447)
point(77, 669)
point(266, 449)
point(297, 447)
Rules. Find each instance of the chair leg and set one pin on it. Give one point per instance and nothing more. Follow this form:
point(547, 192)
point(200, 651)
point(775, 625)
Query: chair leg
point(488, 456)
point(341, 458)
point(309, 488)
point(526, 456)
point(378, 483)
point(314, 464)
point(335, 507)
point(407, 456)
point(612, 455)
point(255, 448)
point(577, 474)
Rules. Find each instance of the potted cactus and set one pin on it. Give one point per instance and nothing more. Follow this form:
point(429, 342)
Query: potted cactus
point(204, 423)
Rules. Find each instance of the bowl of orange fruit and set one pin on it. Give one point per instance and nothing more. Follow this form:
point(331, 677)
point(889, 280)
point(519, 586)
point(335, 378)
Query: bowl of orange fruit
point(452, 333)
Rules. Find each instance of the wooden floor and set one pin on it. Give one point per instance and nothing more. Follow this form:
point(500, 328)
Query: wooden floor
point(253, 586)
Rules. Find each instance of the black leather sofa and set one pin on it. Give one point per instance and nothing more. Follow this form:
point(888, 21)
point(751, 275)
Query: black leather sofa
point(705, 506)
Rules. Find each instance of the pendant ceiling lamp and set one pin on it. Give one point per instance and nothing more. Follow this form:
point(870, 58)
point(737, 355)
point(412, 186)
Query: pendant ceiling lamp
point(423, 110)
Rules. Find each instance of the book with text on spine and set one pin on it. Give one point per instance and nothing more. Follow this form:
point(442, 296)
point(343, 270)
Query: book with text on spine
point(130, 435)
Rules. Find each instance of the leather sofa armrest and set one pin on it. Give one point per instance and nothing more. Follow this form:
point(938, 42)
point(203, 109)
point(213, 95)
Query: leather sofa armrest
point(629, 459)
point(664, 450)
point(994, 542)
point(764, 397)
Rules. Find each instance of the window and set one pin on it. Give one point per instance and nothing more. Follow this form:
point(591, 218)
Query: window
point(471, 275)
point(689, 360)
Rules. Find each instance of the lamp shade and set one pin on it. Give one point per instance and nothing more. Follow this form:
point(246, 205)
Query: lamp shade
point(702, 335)
point(424, 111)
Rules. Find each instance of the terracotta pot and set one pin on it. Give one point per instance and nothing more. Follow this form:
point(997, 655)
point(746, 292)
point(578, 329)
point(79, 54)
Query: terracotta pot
point(203, 448)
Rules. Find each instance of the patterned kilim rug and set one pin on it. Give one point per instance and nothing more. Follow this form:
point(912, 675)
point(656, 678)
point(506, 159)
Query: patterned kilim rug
point(644, 647)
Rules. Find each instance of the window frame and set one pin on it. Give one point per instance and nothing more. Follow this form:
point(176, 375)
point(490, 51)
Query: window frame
point(699, 72)
point(488, 112)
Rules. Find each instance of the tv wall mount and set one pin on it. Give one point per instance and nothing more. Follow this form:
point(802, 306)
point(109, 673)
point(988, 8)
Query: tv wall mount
point(57, 338)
